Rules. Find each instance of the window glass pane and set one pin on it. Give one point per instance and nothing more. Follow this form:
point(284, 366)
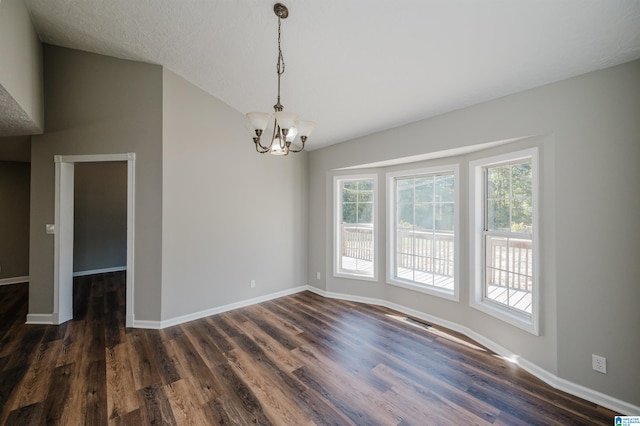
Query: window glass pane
point(404, 241)
point(365, 185)
point(354, 239)
point(498, 183)
point(366, 196)
point(444, 216)
point(349, 191)
point(509, 271)
point(444, 188)
point(521, 179)
point(349, 213)
point(496, 256)
point(424, 217)
point(521, 215)
point(507, 211)
point(497, 215)
point(424, 204)
point(404, 215)
point(404, 190)
point(509, 197)
point(365, 213)
point(521, 260)
point(424, 190)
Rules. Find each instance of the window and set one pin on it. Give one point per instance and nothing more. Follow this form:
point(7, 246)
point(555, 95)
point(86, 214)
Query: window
point(504, 242)
point(421, 234)
point(355, 226)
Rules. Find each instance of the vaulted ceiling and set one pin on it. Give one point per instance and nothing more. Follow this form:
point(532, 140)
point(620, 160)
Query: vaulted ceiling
point(354, 66)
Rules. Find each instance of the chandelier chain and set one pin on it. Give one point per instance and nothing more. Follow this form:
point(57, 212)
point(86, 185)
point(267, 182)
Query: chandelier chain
point(280, 65)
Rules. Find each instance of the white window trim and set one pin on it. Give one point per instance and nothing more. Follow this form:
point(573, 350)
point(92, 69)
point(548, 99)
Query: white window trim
point(526, 322)
point(337, 216)
point(391, 220)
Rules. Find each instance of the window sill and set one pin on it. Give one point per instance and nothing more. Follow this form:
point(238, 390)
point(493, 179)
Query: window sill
point(432, 291)
point(525, 322)
point(354, 276)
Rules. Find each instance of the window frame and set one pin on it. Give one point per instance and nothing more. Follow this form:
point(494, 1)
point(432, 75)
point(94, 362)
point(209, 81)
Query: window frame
point(391, 231)
point(337, 221)
point(477, 250)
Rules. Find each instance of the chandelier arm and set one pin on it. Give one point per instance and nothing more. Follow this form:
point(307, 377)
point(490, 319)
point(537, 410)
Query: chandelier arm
point(259, 148)
point(262, 147)
point(303, 139)
point(268, 147)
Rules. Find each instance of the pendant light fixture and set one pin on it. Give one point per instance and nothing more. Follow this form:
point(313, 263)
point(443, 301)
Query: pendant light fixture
point(285, 125)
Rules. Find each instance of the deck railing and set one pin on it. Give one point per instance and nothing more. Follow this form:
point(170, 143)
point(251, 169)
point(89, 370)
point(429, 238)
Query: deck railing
point(425, 251)
point(514, 256)
point(434, 253)
point(414, 248)
point(357, 241)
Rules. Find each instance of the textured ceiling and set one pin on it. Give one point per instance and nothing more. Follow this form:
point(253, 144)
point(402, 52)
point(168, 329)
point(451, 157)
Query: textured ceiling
point(14, 121)
point(356, 66)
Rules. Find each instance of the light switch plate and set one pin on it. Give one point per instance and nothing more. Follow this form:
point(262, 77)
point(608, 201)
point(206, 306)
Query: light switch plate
point(50, 228)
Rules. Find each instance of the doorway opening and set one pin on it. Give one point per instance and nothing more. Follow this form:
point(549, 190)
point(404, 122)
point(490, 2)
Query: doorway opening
point(64, 232)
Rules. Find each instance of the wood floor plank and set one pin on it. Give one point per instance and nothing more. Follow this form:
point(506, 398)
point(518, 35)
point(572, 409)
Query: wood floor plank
point(185, 406)
point(28, 415)
point(347, 390)
point(229, 410)
point(400, 375)
point(95, 393)
point(121, 389)
point(156, 408)
point(37, 380)
point(273, 348)
point(442, 406)
point(146, 371)
point(200, 337)
point(240, 402)
point(273, 393)
point(192, 365)
point(163, 362)
point(57, 398)
point(301, 359)
point(72, 348)
point(135, 417)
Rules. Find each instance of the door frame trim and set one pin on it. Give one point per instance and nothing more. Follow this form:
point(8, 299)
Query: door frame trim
point(63, 233)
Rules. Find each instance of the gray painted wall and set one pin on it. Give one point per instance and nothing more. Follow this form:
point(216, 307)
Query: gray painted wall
point(15, 148)
point(14, 219)
point(230, 215)
point(21, 67)
point(100, 105)
point(100, 216)
point(589, 136)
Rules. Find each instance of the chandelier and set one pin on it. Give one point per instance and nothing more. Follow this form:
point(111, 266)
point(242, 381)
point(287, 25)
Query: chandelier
point(285, 125)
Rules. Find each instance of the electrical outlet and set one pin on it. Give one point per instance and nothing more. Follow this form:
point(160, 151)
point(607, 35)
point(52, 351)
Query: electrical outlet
point(253, 283)
point(317, 275)
point(599, 363)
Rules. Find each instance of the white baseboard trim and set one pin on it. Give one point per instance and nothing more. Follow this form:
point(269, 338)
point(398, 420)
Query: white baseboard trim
point(213, 311)
point(551, 379)
point(153, 325)
point(99, 271)
point(14, 280)
point(44, 319)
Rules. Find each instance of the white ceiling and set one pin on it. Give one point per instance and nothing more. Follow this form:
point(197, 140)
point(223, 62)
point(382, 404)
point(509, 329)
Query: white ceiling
point(354, 66)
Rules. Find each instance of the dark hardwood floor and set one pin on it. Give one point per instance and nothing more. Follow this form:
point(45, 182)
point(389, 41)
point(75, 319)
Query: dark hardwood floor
point(298, 360)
